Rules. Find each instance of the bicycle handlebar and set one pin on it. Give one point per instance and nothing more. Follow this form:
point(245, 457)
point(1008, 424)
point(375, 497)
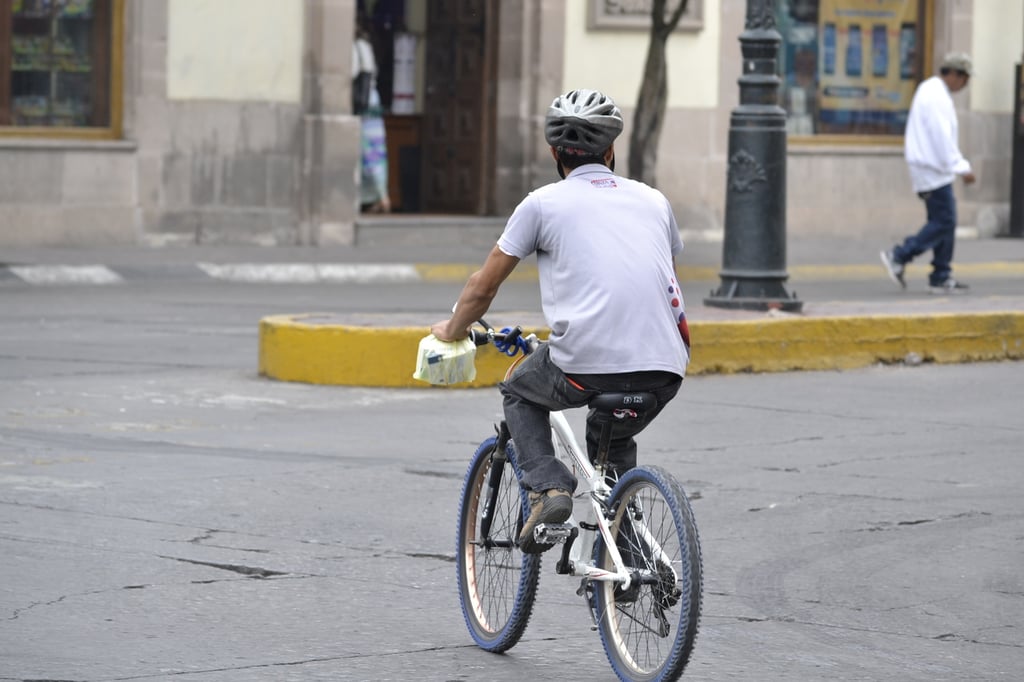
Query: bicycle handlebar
point(509, 340)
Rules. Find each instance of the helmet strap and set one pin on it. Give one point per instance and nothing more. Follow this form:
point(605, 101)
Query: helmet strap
point(558, 167)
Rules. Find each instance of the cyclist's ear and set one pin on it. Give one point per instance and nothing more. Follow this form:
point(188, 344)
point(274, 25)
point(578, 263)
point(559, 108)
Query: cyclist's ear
point(609, 157)
point(558, 164)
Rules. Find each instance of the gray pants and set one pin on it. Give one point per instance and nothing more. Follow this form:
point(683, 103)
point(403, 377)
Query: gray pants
point(538, 387)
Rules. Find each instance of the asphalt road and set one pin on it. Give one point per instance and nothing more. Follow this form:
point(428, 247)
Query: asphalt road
point(166, 514)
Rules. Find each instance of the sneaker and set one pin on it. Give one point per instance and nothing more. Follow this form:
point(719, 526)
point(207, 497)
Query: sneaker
point(950, 286)
point(549, 506)
point(894, 269)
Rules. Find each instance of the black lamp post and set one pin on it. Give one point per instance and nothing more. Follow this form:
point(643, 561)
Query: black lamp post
point(754, 252)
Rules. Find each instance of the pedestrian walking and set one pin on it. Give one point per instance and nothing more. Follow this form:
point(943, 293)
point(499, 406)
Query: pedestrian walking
point(934, 160)
point(366, 103)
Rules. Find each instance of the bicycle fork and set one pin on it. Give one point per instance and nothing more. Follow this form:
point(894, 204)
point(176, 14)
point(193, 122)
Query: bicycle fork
point(498, 460)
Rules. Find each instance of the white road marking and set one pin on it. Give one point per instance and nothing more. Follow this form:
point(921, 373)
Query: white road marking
point(66, 274)
point(310, 272)
point(44, 483)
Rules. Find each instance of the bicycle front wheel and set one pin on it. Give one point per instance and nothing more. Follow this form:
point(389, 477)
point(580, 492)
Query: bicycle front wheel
point(497, 582)
point(649, 629)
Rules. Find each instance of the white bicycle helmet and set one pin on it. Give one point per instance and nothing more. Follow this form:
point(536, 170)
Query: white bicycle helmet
point(583, 119)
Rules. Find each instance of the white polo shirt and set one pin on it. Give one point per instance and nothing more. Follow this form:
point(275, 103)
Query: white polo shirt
point(604, 248)
point(931, 145)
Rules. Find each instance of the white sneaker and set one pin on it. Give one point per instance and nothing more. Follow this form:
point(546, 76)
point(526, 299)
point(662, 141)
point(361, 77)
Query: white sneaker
point(950, 286)
point(894, 269)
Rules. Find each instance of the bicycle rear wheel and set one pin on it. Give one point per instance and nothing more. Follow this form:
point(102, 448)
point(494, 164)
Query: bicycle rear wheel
point(497, 582)
point(649, 630)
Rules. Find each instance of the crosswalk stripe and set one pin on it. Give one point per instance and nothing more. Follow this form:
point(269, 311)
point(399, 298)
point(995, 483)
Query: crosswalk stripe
point(66, 274)
point(310, 272)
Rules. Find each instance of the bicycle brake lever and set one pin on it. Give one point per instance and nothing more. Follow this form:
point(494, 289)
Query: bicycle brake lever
point(514, 335)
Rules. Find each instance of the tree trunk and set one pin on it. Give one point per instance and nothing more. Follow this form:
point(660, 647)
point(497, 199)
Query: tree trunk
point(653, 97)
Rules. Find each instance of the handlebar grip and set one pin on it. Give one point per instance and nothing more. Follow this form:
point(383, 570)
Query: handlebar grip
point(478, 338)
point(507, 340)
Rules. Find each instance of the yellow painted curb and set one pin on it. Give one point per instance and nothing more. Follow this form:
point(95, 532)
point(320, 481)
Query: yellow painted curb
point(779, 345)
point(312, 348)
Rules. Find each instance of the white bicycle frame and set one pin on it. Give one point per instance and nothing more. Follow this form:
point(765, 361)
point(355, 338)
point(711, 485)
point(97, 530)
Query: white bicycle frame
point(581, 562)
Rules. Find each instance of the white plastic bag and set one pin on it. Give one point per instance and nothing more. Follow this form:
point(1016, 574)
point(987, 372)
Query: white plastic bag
point(445, 362)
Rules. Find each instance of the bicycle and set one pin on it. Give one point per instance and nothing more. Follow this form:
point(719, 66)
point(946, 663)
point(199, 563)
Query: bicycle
point(636, 549)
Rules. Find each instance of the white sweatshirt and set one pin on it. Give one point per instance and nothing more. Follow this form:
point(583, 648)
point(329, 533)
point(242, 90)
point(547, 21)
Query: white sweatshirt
point(930, 144)
point(362, 58)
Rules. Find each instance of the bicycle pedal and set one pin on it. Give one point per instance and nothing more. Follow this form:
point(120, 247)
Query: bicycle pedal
point(553, 533)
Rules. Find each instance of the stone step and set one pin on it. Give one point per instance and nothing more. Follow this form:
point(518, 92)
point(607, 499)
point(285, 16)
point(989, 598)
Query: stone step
point(428, 230)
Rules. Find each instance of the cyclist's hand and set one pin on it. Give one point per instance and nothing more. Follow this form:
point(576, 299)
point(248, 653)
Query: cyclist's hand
point(441, 331)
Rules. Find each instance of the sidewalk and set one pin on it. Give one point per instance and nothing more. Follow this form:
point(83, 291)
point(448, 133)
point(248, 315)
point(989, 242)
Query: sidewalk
point(859, 320)
point(808, 259)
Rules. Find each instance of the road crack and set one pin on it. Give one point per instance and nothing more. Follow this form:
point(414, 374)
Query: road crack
point(250, 571)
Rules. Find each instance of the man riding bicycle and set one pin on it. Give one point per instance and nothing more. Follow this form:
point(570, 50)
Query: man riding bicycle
point(606, 249)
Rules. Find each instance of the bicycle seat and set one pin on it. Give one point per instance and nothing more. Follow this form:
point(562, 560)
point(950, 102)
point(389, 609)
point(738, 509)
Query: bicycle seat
point(623, 405)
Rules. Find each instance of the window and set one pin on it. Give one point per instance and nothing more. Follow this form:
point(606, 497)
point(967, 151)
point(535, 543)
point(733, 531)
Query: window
point(58, 61)
point(850, 67)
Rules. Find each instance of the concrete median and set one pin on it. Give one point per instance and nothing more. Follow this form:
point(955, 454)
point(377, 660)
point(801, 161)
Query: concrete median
point(322, 348)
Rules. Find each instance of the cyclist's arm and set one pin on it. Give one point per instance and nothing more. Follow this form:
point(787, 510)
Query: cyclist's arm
point(476, 296)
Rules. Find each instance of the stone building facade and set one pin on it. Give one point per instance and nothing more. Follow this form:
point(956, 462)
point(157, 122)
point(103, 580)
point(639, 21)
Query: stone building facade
point(233, 124)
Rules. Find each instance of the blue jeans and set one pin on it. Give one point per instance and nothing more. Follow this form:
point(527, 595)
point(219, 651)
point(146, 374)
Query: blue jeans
point(938, 235)
point(538, 387)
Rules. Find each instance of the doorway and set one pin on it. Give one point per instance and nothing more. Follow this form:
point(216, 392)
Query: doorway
point(441, 136)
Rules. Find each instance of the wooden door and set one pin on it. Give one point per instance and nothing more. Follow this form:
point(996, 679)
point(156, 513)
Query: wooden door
point(458, 111)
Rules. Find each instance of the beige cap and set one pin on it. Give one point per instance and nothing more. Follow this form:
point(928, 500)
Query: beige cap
point(960, 61)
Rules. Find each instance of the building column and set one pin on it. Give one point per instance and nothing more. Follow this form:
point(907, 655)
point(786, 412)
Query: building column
point(329, 187)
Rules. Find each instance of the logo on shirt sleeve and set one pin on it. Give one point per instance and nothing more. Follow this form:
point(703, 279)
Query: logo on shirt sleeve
point(676, 302)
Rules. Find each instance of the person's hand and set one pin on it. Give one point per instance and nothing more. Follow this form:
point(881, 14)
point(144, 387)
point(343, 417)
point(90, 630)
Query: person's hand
point(442, 332)
point(968, 178)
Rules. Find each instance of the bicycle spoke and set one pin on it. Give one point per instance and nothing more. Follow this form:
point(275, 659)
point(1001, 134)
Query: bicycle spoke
point(496, 582)
point(650, 627)
point(661, 631)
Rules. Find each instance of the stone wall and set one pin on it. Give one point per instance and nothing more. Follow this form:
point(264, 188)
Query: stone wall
point(197, 171)
point(244, 172)
point(206, 171)
point(67, 193)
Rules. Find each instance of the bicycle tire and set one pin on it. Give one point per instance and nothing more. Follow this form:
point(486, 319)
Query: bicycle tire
point(497, 582)
point(649, 630)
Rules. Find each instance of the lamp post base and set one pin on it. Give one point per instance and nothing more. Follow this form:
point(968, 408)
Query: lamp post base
point(754, 293)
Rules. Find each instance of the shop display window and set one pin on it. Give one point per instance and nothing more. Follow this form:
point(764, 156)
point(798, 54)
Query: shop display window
point(849, 68)
point(56, 65)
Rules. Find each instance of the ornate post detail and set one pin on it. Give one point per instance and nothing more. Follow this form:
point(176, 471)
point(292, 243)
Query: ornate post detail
point(754, 249)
